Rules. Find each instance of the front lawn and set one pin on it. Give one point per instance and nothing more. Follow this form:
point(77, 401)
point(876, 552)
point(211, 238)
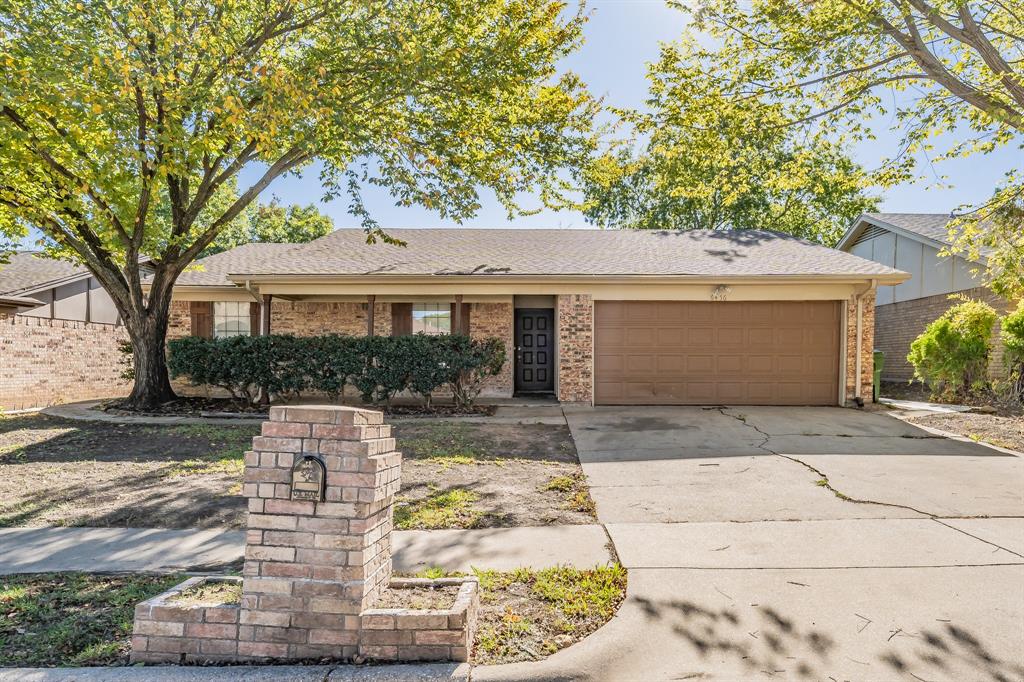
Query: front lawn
point(57, 472)
point(459, 475)
point(79, 619)
point(71, 619)
point(60, 472)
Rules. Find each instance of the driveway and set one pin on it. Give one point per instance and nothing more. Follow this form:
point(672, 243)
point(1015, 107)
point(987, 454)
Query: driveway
point(799, 543)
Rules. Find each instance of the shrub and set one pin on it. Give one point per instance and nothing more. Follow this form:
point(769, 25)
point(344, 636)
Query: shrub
point(951, 355)
point(472, 362)
point(1013, 342)
point(378, 367)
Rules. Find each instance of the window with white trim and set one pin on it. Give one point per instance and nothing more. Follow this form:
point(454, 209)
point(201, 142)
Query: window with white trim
point(231, 318)
point(431, 318)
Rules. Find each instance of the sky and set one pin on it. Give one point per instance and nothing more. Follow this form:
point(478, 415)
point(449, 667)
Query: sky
point(622, 37)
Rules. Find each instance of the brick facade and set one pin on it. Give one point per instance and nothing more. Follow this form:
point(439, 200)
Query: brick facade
point(900, 323)
point(575, 323)
point(47, 362)
point(495, 320)
point(314, 565)
point(867, 346)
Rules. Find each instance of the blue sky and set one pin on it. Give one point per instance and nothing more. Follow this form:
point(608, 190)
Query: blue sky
point(622, 36)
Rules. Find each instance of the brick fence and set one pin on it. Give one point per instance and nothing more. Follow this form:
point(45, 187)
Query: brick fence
point(46, 362)
point(321, 483)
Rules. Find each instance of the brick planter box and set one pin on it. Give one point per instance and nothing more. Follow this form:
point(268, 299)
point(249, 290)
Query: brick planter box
point(321, 482)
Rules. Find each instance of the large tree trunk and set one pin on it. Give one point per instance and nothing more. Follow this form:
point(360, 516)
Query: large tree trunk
point(148, 332)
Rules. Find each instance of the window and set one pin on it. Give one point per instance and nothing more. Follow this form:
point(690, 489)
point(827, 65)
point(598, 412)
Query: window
point(231, 318)
point(431, 318)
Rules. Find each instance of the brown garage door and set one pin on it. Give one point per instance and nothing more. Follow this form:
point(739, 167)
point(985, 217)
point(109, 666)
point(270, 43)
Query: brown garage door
point(712, 353)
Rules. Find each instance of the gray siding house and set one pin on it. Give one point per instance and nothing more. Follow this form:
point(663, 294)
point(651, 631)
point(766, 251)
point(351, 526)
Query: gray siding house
point(37, 286)
point(911, 242)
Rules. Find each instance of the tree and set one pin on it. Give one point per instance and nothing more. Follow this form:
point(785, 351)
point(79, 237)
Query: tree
point(272, 224)
point(124, 125)
point(943, 69)
point(711, 160)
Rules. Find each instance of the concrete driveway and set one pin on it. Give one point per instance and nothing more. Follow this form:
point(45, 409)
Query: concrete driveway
point(799, 543)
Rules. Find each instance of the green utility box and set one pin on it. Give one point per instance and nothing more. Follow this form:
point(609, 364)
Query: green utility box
point(879, 364)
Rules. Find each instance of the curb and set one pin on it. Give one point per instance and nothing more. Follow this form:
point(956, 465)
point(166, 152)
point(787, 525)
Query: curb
point(427, 672)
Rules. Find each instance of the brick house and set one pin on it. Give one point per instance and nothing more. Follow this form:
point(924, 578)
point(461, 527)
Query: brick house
point(911, 242)
point(590, 316)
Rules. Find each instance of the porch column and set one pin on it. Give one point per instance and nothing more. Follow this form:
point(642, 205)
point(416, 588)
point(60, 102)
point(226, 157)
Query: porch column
point(369, 314)
point(457, 322)
point(265, 314)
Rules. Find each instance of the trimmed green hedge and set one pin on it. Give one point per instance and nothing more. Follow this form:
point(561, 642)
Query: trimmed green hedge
point(379, 367)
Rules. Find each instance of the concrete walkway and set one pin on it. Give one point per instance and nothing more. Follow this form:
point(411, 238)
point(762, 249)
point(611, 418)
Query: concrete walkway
point(449, 672)
point(37, 550)
point(749, 559)
point(522, 412)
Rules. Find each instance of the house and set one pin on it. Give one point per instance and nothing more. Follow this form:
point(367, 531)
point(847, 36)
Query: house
point(604, 317)
point(911, 242)
point(39, 286)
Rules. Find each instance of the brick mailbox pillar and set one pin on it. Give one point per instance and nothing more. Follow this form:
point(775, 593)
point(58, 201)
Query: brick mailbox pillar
point(320, 482)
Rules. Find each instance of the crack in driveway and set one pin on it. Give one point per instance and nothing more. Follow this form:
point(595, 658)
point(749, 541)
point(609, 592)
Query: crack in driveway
point(825, 483)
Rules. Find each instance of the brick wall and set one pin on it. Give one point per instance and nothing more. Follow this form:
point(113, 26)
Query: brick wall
point(495, 320)
point(898, 324)
point(867, 346)
point(47, 362)
point(575, 348)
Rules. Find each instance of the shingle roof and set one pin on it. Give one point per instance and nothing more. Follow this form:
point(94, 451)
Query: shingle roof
point(31, 270)
point(930, 225)
point(497, 252)
point(213, 270)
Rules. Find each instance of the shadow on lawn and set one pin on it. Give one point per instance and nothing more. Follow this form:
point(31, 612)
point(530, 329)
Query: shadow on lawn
point(765, 641)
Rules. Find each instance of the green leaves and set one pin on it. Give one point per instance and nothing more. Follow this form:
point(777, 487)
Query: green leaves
point(378, 367)
point(715, 157)
point(273, 223)
point(951, 355)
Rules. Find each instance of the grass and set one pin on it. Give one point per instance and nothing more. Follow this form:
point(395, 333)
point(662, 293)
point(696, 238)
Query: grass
point(440, 509)
point(448, 443)
point(71, 618)
point(574, 488)
point(527, 614)
point(226, 455)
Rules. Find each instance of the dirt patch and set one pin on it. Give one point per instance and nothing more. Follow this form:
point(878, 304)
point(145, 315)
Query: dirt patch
point(458, 475)
point(74, 473)
point(1004, 431)
point(60, 472)
point(442, 597)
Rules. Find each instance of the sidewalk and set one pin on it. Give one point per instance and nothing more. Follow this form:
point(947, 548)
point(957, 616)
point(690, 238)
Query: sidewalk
point(37, 550)
point(425, 672)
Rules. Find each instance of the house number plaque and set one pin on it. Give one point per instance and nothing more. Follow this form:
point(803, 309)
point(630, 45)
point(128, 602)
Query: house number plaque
point(308, 477)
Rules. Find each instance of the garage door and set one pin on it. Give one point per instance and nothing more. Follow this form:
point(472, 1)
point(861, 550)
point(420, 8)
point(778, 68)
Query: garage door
point(712, 353)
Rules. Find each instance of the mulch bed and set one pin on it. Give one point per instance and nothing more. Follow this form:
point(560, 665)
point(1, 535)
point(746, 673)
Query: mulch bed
point(186, 407)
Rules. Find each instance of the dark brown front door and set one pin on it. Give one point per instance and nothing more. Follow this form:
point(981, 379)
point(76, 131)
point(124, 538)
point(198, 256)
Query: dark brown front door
point(535, 346)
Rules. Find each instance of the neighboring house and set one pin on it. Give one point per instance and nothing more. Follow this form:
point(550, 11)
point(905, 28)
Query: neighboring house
point(911, 242)
point(54, 289)
point(590, 316)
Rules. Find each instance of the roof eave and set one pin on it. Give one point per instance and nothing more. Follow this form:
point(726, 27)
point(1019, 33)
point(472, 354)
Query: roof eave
point(894, 277)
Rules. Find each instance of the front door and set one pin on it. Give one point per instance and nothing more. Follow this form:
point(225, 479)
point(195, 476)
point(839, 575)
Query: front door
point(535, 346)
